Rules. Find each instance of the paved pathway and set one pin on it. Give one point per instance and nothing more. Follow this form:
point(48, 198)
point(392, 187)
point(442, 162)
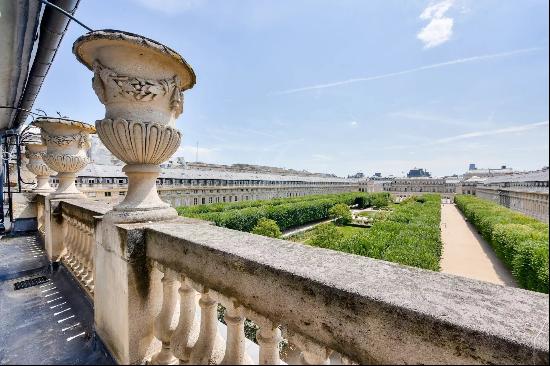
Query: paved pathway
point(299, 229)
point(465, 252)
point(50, 323)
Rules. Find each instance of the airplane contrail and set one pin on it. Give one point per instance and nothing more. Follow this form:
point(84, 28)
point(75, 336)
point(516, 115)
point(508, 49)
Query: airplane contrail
point(409, 71)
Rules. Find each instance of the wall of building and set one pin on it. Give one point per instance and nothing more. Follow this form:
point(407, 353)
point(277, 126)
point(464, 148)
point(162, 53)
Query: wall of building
point(534, 204)
point(213, 191)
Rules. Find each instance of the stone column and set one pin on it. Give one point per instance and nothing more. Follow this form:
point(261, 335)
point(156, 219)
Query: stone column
point(35, 152)
point(66, 143)
point(141, 84)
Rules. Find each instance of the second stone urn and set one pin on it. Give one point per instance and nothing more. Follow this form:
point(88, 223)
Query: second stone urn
point(35, 153)
point(141, 84)
point(67, 142)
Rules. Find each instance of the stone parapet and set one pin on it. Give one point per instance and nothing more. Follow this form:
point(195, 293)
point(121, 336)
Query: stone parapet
point(366, 310)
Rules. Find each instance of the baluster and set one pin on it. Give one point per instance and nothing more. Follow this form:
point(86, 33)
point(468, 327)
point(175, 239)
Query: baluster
point(210, 347)
point(312, 353)
point(163, 323)
point(268, 338)
point(71, 242)
point(85, 251)
point(89, 278)
point(235, 343)
point(186, 333)
point(66, 233)
point(79, 246)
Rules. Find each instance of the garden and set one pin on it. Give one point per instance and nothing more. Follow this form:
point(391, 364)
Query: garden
point(521, 242)
point(286, 212)
point(407, 233)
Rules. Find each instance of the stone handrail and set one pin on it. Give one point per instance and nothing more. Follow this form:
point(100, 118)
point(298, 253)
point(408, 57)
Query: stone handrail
point(366, 310)
point(78, 239)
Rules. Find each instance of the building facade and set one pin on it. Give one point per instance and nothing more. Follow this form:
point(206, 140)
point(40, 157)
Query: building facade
point(405, 187)
point(209, 183)
point(523, 192)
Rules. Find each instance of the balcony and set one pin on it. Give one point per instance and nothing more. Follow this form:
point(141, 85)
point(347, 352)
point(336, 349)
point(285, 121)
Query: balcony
point(147, 286)
point(155, 290)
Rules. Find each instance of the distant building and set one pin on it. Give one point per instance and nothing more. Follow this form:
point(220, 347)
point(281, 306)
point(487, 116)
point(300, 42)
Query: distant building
point(211, 183)
point(404, 187)
point(487, 172)
point(526, 192)
point(418, 173)
point(358, 175)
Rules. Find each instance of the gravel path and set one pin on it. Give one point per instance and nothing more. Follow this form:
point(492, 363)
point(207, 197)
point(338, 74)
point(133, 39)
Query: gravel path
point(465, 252)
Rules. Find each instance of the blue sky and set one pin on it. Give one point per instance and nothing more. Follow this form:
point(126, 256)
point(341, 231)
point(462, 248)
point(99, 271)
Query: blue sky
point(341, 86)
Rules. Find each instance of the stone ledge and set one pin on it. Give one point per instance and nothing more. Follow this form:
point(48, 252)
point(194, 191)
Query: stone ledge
point(370, 310)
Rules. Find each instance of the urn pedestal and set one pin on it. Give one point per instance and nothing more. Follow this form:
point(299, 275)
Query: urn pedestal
point(141, 84)
point(36, 165)
point(66, 144)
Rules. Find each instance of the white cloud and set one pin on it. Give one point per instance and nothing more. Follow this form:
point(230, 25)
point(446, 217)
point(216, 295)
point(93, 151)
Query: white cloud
point(354, 124)
point(170, 7)
point(409, 71)
point(440, 27)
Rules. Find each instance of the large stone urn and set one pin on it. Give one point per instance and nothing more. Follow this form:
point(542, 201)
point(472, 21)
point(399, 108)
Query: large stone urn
point(141, 84)
point(67, 142)
point(35, 153)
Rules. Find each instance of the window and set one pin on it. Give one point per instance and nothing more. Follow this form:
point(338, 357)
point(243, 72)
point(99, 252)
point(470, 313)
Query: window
point(107, 194)
point(203, 200)
point(195, 201)
point(210, 200)
point(122, 193)
point(236, 199)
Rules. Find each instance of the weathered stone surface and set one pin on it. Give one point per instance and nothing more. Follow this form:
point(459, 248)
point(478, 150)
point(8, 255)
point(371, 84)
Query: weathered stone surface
point(369, 310)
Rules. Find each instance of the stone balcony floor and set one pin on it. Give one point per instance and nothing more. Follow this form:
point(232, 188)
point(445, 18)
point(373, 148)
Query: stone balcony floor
point(50, 323)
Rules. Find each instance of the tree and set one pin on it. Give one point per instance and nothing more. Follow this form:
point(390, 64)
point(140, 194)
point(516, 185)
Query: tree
point(341, 213)
point(267, 227)
point(381, 200)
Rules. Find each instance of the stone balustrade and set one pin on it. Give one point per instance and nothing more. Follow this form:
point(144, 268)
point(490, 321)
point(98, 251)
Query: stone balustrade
point(78, 240)
point(328, 305)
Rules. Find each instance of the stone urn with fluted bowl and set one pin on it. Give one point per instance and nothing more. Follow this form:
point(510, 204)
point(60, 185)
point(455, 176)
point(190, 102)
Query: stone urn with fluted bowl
point(35, 153)
point(67, 142)
point(141, 84)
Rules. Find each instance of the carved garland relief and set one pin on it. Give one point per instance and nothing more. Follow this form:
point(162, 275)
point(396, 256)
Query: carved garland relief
point(107, 82)
point(83, 140)
point(66, 163)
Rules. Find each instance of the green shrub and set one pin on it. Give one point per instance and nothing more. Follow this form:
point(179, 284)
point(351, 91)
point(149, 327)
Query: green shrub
point(267, 227)
point(521, 242)
point(341, 213)
point(287, 213)
point(326, 236)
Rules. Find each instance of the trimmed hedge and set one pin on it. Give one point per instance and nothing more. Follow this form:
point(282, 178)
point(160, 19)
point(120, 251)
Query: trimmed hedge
point(521, 242)
point(409, 235)
point(287, 213)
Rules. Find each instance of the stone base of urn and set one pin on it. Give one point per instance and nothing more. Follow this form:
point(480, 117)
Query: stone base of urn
point(142, 202)
point(66, 188)
point(43, 185)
